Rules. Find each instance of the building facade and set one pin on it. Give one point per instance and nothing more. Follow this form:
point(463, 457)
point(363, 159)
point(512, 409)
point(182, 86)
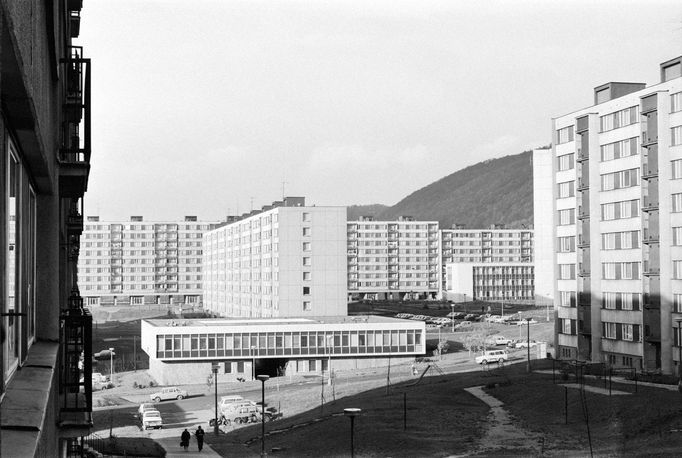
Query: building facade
point(499, 281)
point(183, 352)
point(617, 169)
point(543, 226)
point(139, 262)
point(284, 260)
point(45, 355)
point(393, 259)
point(487, 264)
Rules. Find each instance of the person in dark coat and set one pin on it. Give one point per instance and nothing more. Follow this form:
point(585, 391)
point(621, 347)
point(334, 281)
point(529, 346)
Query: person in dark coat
point(184, 439)
point(200, 437)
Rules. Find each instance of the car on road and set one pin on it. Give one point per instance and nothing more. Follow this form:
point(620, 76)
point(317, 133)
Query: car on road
point(525, 344)
point(151, 419)
point(492, 356)
point(523, 322)
point(497, 340)
point(463, 324)
point(171, 392)
point(144, 407)
point(456, 315)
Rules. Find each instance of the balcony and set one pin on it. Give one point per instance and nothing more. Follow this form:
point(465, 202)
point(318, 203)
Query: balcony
point(583, 242)
point(74, 155)
point(75, 399)
point(583, 213)
point(648, 140)
point(651, 270)
point(649, 204)
point(74, 219)
point(582, 155)
point(648, 173)
point(583, 185)
point(74, 23)
point(584, 270)
point(649, 237)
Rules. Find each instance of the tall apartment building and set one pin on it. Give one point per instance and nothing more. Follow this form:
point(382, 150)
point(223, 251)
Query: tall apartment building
point(285, 260)
point(45, 350)
point(617, 169)
point(487, 264)
point(393, 259)
point(543, 226)
point(139, 262)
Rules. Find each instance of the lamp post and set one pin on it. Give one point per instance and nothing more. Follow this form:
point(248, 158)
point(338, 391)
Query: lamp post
point(351, 412)
point(452, 318)
point(214, 369)
point(111, 367)
point(253, 364)
point(263, 379)
point(528, 343)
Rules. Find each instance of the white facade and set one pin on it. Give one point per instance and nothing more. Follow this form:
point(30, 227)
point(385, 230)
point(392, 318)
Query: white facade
point(139, 262)
point(393, 259)
point(618, 221)
point(286, 260)
point(500, 281)
point(543, 225)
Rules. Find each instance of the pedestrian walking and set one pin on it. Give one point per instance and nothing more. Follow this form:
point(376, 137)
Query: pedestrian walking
point(184, 439)
point(200, 437)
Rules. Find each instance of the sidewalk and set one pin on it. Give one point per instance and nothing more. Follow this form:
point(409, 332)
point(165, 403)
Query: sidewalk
point(173, 449)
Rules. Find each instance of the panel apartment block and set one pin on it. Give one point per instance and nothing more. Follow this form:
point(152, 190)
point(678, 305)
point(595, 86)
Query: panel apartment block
point(139, 262)
point(393, 259)
point(543, 225)
point(285, 260)
point(618, 225)
point(493, 247)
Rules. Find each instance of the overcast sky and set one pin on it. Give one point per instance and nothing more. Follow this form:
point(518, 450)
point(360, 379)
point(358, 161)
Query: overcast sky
point(205, 107)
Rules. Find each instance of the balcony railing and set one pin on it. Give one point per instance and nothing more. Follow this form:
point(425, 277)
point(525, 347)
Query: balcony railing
point(75, 400)
point(649, 204)
point(649, 237)
point(74, 155)
point(648, 172)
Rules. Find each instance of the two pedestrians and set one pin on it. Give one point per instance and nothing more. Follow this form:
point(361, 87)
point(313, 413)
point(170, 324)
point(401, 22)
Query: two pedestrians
point(185, 437)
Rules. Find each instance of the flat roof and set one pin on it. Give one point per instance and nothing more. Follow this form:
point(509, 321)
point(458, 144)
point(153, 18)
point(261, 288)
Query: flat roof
point(273, 321)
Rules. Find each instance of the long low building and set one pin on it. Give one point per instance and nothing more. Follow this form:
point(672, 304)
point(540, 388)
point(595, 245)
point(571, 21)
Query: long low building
point(183, 351)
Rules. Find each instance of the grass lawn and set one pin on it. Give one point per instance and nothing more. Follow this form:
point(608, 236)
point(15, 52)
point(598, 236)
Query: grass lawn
point(646, 423)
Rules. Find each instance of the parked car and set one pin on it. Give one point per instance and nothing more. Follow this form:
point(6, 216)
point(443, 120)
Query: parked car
point(151, 419)
point(456, 315)
point(492, 356)
point(497, 340)
point(171, 392)
point(99, 377)
point(463, 324)
point(523, 322)
point(144, 407)
point(525, 344)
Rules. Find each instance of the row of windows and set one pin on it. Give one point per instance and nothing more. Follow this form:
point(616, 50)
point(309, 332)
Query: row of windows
point(619, 180)
point(286, 343)
point(622, 331)
point(620, 270)
point(618, 119)
point(620, 240)
point(619, 149)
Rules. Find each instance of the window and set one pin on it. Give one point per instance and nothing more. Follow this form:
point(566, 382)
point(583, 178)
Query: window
point(566, 326)
point(675, 135)
point(307, 307)
point(610, 330)
point(620, 180)
point(619, 149)
point(567, 216)
point(677, 270)
point(565, 135)
point(618, 119)
point(620, 240)
point(306, 290)
point(307, 261)
point(567, 244)
point(566, 162)
point(609, 300)
point(307, 276)
point(620, 210)
point(136, 300)
point(306, 217)
point(620, 270)
point(676, 167)
point(567, 298)
point(567, 271)
point(307, 246)
point(627, 332)
point(677, 301)
point(675, 102)
point(306, 232)
point(566, 189)
point(677, 202)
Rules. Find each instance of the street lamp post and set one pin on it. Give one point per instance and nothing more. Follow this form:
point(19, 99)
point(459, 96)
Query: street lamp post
point(253, 364)
point(351, 412)
point(214, 368)
point(263, 379)
point(111, 367)
point(679, 353)
point(528, 343)
point(452, 318)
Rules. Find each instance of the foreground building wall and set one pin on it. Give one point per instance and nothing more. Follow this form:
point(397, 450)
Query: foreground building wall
point(543, 225)
point(618, 225)
point(44, 169)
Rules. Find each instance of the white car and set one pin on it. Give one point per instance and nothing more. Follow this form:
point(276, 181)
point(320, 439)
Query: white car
point(523, 322)
point(144, 407)
point(492, 356)
point(171, 392)
point(497, 340)
point(525, 344)
point(151, 419)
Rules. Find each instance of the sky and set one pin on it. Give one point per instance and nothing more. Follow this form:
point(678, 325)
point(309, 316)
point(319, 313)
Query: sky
point(217, 107)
